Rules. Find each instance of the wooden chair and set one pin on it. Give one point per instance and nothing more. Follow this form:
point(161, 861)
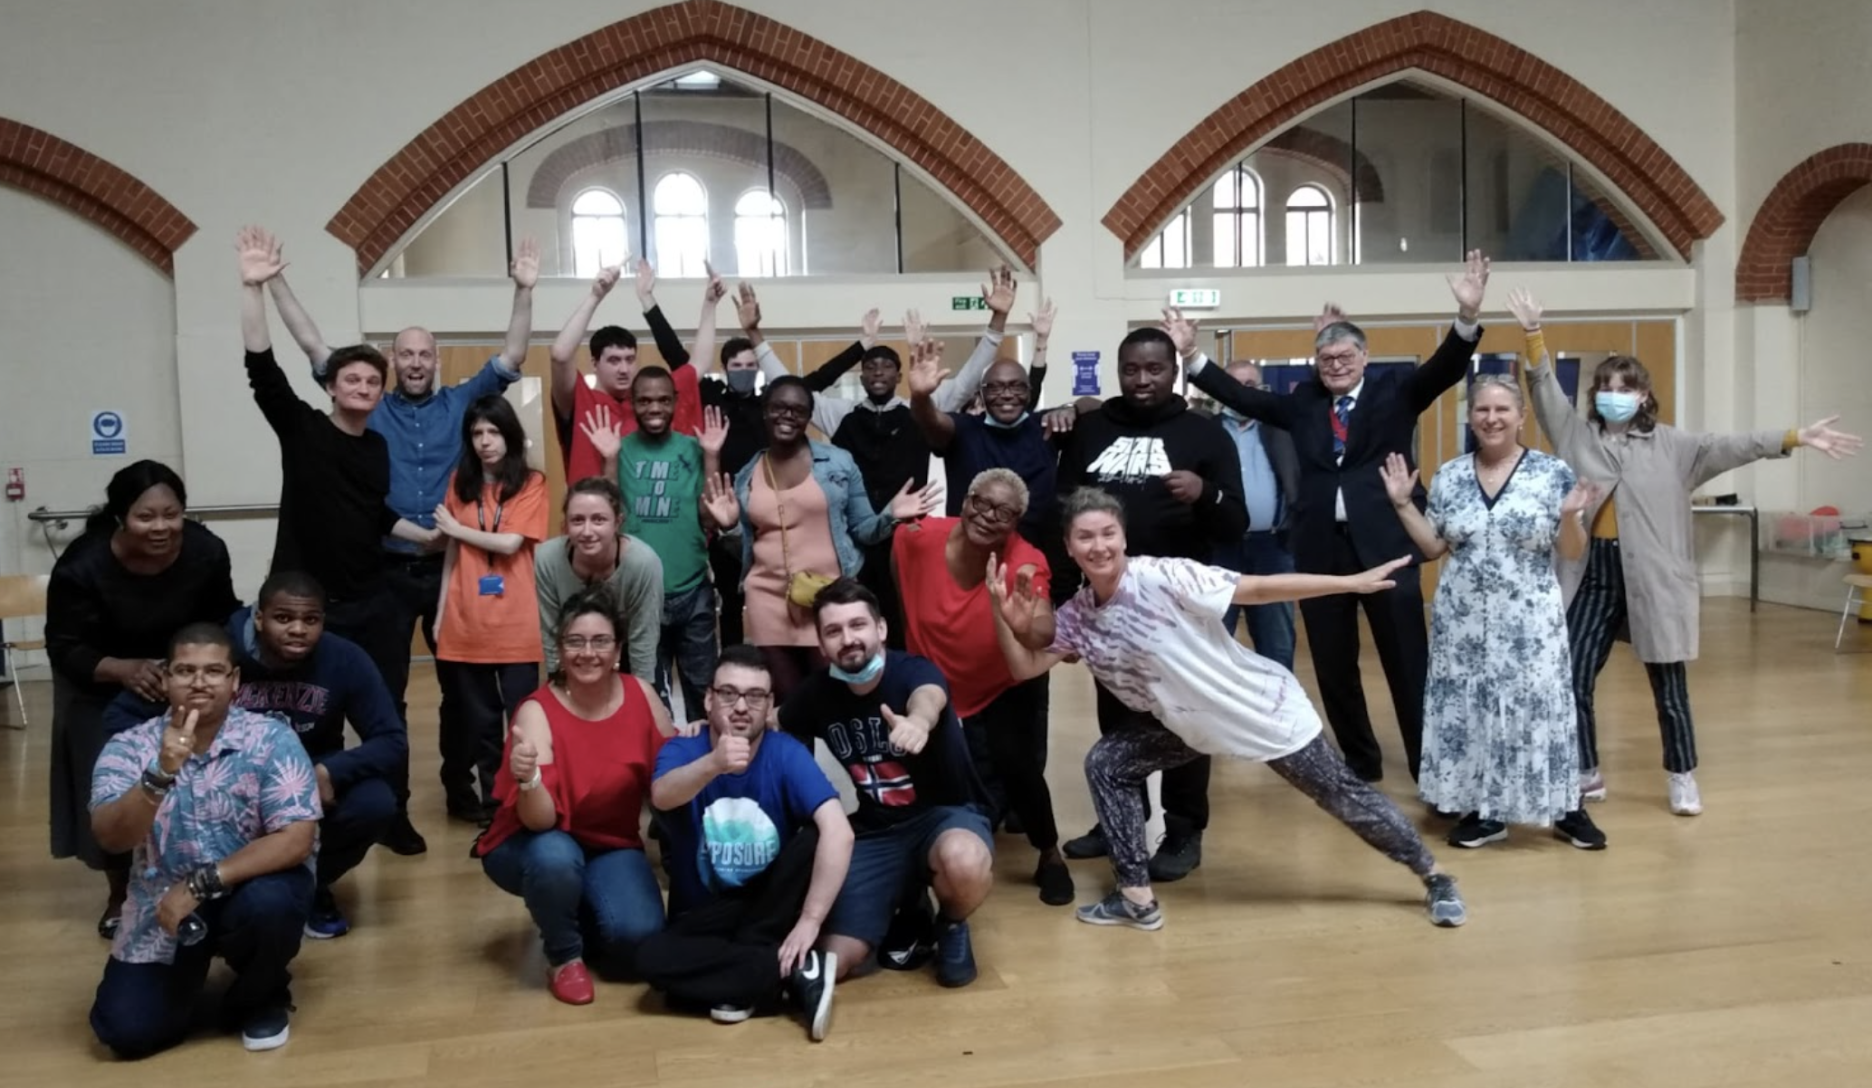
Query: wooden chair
point(1856, 587)
point(21, 596)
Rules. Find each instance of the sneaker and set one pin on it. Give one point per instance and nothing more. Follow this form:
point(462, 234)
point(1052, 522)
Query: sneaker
point(1177, 856)
point(266, 1029)
point(1055, 880)
point(1577, 828)
point(1684, 798)
point(1592, 785)
point(1116, 910)
point(401, 837)
point(326, 920)
point(1443, 902)
point(911, 940)
point(730, 1014)
point(955, 954)
point(1092, 844)
point(811, 982)
point(1473, 832)
point(571, 983)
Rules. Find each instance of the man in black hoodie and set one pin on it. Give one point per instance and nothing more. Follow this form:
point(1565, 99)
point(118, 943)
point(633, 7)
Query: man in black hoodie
point(1179, 478)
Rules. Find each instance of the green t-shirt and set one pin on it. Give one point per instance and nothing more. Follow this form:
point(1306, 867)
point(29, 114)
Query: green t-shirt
point(662, 485)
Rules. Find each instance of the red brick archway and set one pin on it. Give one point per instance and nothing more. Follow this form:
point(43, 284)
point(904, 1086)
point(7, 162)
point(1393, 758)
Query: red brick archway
point(42, 164)
point(1462, 54)
point(475, 132)
point(1785, 224)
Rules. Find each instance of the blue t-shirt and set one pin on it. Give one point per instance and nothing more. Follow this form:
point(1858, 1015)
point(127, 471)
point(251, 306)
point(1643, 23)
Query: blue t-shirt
point(892, 784)
point(730, 832)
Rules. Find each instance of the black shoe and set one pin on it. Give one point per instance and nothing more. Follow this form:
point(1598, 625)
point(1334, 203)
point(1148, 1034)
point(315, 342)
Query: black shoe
point(401, 837)
point(1473, 832)
point(1092, 844)
point(1577, 828)
point(811, 983)
point(1012, 824)
point(955, 954)
point(911, 940)
point(1056, 884)
point(1177, 856)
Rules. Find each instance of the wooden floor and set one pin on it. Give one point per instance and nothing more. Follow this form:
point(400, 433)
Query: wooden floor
point(1733, 949)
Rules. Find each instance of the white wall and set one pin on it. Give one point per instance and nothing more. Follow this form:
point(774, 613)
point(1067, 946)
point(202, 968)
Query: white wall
point(202, 101)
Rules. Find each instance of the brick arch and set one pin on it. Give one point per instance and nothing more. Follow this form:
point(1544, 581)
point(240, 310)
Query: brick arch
point(1455, 51)
point(693, 138)
point(475, 132)
point(40, 163)
point(1790, 216)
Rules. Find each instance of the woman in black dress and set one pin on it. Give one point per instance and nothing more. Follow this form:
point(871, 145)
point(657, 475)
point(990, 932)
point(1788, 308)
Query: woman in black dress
point(138, 573)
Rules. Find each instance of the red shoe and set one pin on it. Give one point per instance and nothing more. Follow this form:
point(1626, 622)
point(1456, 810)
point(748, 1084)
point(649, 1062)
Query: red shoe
point(570, 983)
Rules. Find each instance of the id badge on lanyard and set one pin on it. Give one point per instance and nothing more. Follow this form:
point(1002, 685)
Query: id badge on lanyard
point(491, 584)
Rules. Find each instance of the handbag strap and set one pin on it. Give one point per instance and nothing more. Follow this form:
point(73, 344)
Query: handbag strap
point(786, 561)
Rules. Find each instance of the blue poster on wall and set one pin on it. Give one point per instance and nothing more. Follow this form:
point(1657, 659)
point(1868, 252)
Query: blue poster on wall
point(1085, 374)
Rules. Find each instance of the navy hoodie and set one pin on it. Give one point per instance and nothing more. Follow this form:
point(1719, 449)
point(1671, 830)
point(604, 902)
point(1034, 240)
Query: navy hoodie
point(336, 681)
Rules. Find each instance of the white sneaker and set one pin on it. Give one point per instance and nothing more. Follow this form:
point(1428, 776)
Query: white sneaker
point(1684, 798)
point(1592, 785)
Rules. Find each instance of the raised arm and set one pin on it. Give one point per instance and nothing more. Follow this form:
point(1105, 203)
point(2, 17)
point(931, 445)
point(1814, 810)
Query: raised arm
point(122, 810)
point(260, 261)
point(525, 273)
point(1269, 589)
point(304, 331)
point(1450, 363)
point(1259, 404)
point(565, 374)
point(669, 345)
point(926, 379)
point(1042, 323)
point(1020, 610)
point(998, 293)
point(833, 369)
point(1400, 482)
point(678, 786)
point(1557, 417)
point(712, 293)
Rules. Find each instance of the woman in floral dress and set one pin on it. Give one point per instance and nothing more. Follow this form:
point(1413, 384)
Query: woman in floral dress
point(1499, 722)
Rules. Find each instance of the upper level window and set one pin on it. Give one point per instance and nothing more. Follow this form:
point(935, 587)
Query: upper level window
point(1309, 226)
point(760, 234)
point(1237, 219)
point(599, 239)
point(1171, 249)
point(682, 234)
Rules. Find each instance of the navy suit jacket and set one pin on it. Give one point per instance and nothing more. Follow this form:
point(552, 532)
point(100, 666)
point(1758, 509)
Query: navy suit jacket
point(1383, 422)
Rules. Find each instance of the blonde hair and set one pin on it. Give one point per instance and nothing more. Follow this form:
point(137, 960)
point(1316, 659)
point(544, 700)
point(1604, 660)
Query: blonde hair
point(1498, 381)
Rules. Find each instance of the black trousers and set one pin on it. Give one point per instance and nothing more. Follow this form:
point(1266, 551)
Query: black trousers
point(725, 565)
point(1185, 787)
point(875, 576)
point(1397, 623)
point(376, 623)
point(415, 588)
point(727, 951)
point(1011, 733)
point(486, 697)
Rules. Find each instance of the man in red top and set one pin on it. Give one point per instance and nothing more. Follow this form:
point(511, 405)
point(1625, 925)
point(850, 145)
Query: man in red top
point(614, 363)
point(941, 564)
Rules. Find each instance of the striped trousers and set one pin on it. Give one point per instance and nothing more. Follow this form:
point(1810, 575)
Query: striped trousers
point(1594, 620)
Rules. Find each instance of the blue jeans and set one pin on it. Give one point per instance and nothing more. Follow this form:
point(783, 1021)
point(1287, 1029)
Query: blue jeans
point(142, 1008)
point(689, 642)
point(1270, 626)
point(573, 893)
point(353, 822)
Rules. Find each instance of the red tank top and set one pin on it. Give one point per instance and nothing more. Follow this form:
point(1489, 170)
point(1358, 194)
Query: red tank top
point(598, 779)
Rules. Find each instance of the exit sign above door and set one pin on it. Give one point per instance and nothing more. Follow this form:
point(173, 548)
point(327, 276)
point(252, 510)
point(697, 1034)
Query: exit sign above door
point(1193, 298)
point(967, 302)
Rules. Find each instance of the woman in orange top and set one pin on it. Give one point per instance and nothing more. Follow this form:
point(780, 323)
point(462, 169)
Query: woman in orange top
point(487, 632)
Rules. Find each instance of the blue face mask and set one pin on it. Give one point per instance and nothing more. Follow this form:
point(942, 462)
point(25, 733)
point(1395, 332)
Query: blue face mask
point(742, 381)
point(1615, 407)
point(863, 676)
point(988, 420)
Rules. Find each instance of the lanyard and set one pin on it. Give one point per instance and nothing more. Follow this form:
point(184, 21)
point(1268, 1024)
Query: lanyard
point(481, 516)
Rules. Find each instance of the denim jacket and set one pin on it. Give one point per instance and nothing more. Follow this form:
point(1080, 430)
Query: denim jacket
point(854, 522)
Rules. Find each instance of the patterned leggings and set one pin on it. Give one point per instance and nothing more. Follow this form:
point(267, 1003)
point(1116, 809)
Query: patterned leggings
point(1118, 764)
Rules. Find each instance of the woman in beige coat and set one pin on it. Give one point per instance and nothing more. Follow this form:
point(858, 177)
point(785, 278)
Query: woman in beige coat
point(1639, 572)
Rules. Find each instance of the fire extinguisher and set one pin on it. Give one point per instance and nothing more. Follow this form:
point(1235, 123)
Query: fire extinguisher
point(16, 484)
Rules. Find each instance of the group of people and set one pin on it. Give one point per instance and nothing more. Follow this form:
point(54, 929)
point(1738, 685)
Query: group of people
point(730, 591)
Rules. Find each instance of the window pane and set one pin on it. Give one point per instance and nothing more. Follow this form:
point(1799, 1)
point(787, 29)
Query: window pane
point(846, 221)
point(760, 235)
point(1224, 194)
point(598, 241)
point(469, 238)
point(1225, 225)
point(680, 194)
point(716, 137)
point(1309, 234)
point(1413, 139)
point(596, 151)
point(1317, 152)
point(596, 202)
point(936, 236)
point(1601, 230)
point(1516, 192)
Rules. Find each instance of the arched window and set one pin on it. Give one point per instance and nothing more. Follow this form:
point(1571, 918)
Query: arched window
point(682, 236)
point(599, 239)
point(760, 234)
point(1237, 218)
point(1171, 249)
point(1309, 226)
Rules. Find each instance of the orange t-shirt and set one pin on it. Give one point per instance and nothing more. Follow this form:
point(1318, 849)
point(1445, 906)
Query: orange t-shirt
point(491, 616)
point(582, 460)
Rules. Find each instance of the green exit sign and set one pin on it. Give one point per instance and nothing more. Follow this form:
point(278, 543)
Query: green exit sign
point(1192, 298)
point(968, 302)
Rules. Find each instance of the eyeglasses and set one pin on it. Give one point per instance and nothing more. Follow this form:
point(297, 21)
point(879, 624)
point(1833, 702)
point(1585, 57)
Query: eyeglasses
point(789, 411)
point(756, 698)
point(1342, 359)
point(214, 674)
point(580, 643)
point(997, 389)
point(990, 510)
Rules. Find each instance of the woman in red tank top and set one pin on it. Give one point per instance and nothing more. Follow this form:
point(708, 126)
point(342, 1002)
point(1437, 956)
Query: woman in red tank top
point(571, 791)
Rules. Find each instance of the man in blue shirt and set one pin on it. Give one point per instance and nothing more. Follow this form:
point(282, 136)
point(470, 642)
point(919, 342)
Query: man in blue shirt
point(757, 847)
point(292, 668)
point(421, 421)
point(1270, 482)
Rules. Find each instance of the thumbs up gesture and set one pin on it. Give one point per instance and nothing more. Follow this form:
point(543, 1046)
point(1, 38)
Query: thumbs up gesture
point(732, 755)
point(524, 763)
point(908, 732)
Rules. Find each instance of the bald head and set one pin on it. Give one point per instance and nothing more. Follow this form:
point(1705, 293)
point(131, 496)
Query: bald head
point(413, 356)
point(1005, 391)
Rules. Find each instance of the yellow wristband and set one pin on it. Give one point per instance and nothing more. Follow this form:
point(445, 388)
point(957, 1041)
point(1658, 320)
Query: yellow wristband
point(1536, 346)
point(1790, 440)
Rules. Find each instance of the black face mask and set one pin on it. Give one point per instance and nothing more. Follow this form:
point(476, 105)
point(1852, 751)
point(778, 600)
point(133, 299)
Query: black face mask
point(741, 382)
